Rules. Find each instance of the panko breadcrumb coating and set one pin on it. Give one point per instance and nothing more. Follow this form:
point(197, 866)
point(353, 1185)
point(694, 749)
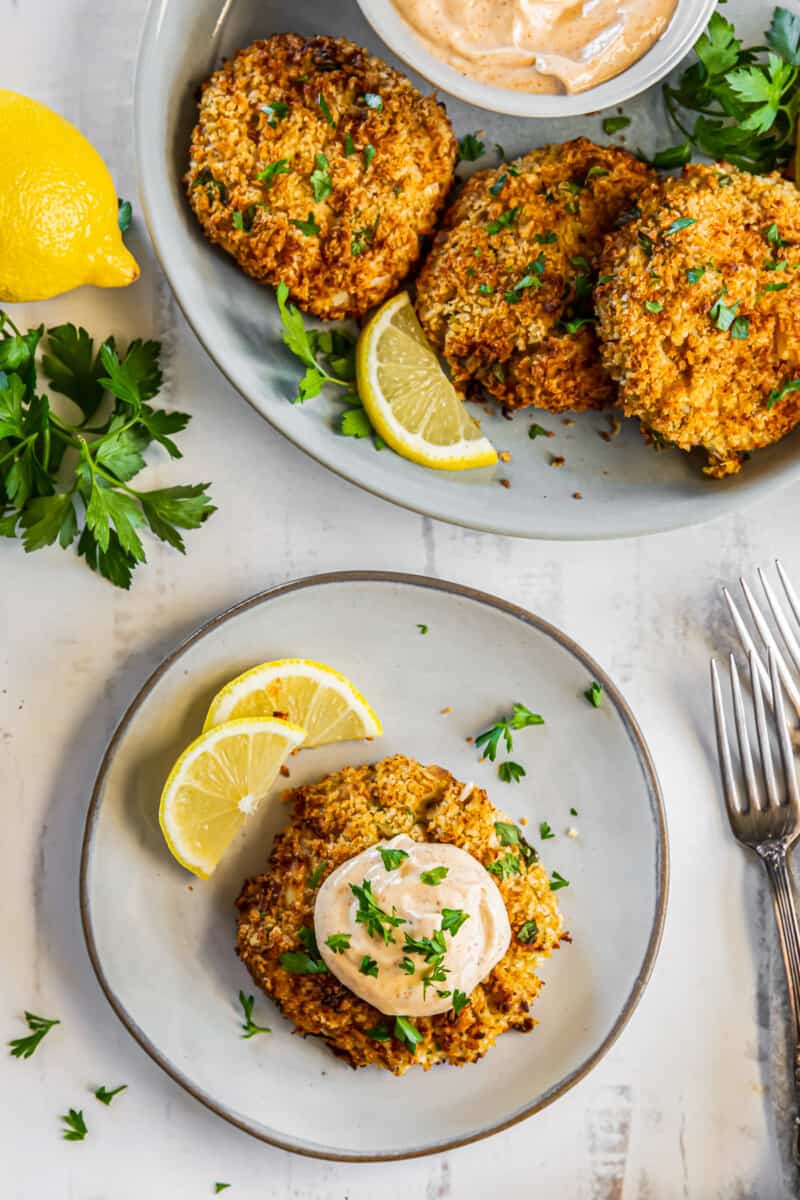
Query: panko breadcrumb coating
point(336, 819)
point(506, 292)
point(700, 318)
point(315, 163)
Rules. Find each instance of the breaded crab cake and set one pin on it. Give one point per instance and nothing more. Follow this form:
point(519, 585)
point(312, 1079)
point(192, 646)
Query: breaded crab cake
point(314, 163)
point(336, 819)
point(506, 291)
point(700, 314)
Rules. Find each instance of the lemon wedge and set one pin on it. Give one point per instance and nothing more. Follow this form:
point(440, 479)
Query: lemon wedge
point(217, 782)
point(323, 701)
point(409, 399)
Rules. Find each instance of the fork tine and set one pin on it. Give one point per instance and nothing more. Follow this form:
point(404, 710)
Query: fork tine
point(784, 741)
point(748, 644)
point(765, 748)
point(791, 594)
point(769, 641)
point(785, 628)
point(723, 749)
point(740, 722)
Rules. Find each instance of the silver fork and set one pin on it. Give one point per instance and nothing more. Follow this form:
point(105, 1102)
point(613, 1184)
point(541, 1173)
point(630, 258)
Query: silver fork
point(765, 813)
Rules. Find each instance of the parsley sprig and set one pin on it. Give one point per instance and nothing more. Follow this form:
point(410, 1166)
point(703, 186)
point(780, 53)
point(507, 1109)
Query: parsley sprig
point(74, 1125)
point(369, 913)
point(521, 716)
point(62, 480)
point(24, 1047)
point(747, 98)
point(105, 1096)
point(248, 1024)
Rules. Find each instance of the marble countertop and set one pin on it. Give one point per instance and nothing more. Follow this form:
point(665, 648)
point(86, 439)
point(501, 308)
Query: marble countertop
point(692, 1101)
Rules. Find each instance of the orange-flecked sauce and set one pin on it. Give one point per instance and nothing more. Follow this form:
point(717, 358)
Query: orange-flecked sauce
point(553, 46)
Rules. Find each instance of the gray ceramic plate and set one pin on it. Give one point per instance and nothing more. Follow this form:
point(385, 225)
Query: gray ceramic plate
point(162, 942)
point(626, 487)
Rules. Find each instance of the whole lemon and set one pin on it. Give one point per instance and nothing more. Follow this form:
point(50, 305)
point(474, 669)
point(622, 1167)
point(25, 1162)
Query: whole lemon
point(58, 207)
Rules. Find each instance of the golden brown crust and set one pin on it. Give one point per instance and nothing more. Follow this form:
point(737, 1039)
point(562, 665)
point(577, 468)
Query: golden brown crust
point(689, 382)
point(568, 197)
point(354, 263)
point(339, 817)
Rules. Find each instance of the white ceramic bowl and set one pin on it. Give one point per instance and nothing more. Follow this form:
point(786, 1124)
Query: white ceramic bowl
point(688, 22)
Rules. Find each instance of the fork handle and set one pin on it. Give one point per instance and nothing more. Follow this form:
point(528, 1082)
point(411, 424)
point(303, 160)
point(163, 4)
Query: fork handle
point(774, 858)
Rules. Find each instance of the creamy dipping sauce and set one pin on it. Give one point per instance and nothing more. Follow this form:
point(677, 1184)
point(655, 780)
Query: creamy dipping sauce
point(470, 952)
point(538, 45)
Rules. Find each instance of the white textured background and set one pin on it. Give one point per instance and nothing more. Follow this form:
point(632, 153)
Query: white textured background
point(692, 1102)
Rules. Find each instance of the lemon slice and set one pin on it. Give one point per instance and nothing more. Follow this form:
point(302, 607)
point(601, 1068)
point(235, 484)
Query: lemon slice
point(217, 782)
point(409, 399)
point(321, 700)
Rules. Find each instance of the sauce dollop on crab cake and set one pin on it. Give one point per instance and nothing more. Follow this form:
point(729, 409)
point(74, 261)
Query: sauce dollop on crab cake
point(314, 163)
point(699, 314)
point(405, 831)
point(506, 291)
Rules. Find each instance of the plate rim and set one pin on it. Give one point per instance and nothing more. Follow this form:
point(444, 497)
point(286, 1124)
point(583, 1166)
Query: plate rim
point(656, 799)
point(678, 516)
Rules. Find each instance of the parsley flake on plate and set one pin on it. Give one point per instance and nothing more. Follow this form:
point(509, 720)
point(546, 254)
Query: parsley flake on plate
point(521, 716)
point(24, 1047)
point(594, 694)
point(537, 431)
point(558, 881)
point(511, 772)
point(220, 1187)
point(470, 148)
point(105, 1097)
point(615, 124)
point(545, 831)
point(422, 628)
point(509, 835)
point(74, 1126)
point(124, 215)
point(249, 1027)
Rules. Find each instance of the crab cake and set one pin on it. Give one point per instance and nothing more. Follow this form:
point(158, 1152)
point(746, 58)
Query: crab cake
point(506, 292)
point(700, 314)
point(315, 163)
point(336, 819)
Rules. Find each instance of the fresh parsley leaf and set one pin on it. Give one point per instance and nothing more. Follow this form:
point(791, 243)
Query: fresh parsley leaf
point(349, 145)
point(653, 306)
point(321, 179)
point(504, 221)
point(489, 740)
point(354, 422)
point(511, 772)
point(363, 238)
point(537, 431)
point(694, 274)
point(594, 693)
point(379, 1033)
point(73, 369)
point(368, 966)
point(486, 289)
point(105, 1096)
point(429, 947)
point(422, 628)
point(407, 1033)
point(452, 920)
point(547, 238)
point(740, 328)
point(316, 875)
point(278, 110)
point(376, 921)
point(249, 1027)
point(270, 173)
point(470, 148)
point(220, 1187)
point(369, 154)
point(573, 812)
point(74, 1126)
point(722, 314)
point(215, 189)
point(245, 219)
point(434, 876)
point(496, 188)
point(505, 866)
point(392, 858)
point(338, 942)
point(545, 832)
point(614, 124)
point(24, 1047)
point(407, 966)
point(460, 1000)
point(310, 228)
point(298, 962)
point(783, 35)
point(558, 881)
point(124, 215)
point(777, 394)
point(528, 932)
point(677, 226)
point(325, 110)
point(437, 974)
point(673, 156)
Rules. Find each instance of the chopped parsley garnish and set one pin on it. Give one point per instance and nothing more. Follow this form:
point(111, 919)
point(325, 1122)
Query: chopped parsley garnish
point(509, 835)
point(243, 221)
point(437, 974)
point(520, 718)
point(326, 112)
point(694, 274)
point(722, 314)
point(505, 866)
point(124, 215)
point(434, 876)
point(775, 287)
point(511, 772)
point(369, 154)
point(497, 187)
point(775, 396)
point(349, 145)
point(362, 238)
point(379, 1033)
point(530, 279)
point(354, 422)
point(772, 234)
point(614, 124)
point(422, 628)
point(369, 914)
point(545, 832)
point(504, 220)
point(407, 1033)
point(558, 881)
point(310, 228)
point(281, 167)
point(74, 1126)
point(316, 875)
point(321, 179)
point(576, 323)
point(537, 431)
point(673, 156)
point(304, 962)
point(274, 112)
point(220, 1187)
point(206, 180)
point(392, 858)
point(528, 932)
point(373, 101)
point(334, 347)
point(470, 148)
point(646, 243)
point(740, 328)
point(338, 942)
point(429, 947)
point(677, 226)
point(24, 1047)
point(407, 966)
point(105, 1096)
point(368, 966)
point(594, 693)
point(573, 812)
point(460, 1000)
point(485, 289)
point(547, 238)
point(452, 920)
